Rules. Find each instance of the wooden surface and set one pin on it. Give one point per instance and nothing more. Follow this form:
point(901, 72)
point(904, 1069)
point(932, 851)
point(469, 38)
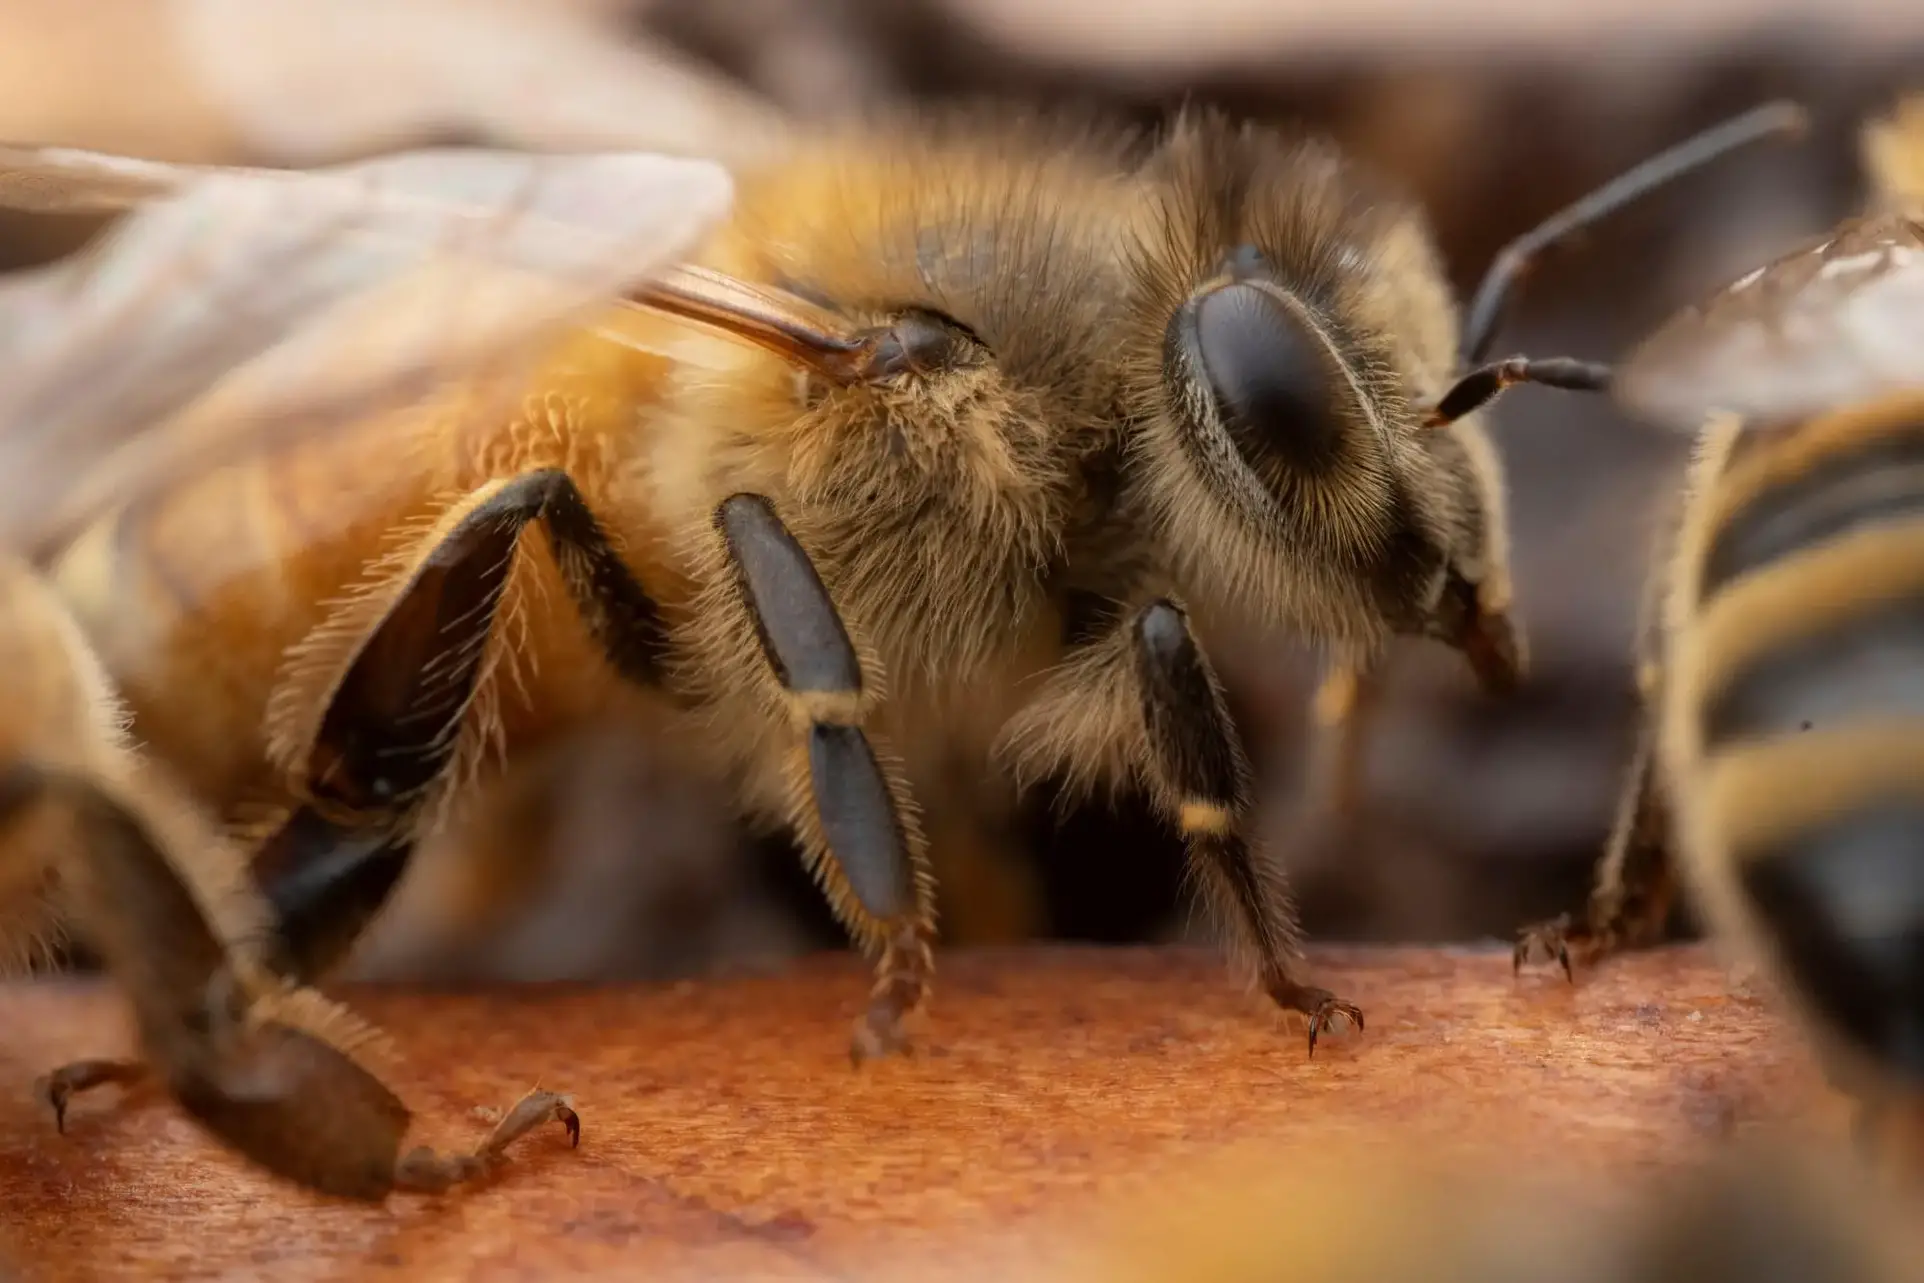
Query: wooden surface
point(725, 1135)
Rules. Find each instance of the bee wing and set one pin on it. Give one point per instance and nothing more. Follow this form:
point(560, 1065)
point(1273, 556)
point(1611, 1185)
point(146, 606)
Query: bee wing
point(63, 180)
point(1835, 322)
point(544, 75)
point(251, 307)
point(309, 82)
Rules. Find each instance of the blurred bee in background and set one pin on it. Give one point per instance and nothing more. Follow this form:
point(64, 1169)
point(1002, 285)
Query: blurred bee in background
point(1784, 761)
point(1761, 1211)
point(114, 390)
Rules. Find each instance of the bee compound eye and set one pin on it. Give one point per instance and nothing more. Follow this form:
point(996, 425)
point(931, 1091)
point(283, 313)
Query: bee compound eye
point(1269, 375)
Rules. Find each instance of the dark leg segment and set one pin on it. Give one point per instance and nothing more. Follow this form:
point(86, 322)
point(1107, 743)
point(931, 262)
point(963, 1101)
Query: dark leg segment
point(1481, 386)
point(328, 881)
point(1196, 760)
point(1635, 886)
point(871, 867)
point(394, 723)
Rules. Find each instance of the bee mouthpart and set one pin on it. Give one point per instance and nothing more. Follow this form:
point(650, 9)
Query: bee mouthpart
point(783, 323)
point(1495, 650)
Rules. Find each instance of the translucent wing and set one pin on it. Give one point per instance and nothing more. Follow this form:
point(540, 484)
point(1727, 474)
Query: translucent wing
point(311, 82)
point(70, 180)
point(1840, 320)
point(250, 307)
point(544, 75)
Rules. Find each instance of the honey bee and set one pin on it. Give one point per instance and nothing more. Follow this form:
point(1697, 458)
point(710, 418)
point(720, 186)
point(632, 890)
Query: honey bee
point(918, 431)
point(127, 373)
point(1761, 1211)
point(1780, 769)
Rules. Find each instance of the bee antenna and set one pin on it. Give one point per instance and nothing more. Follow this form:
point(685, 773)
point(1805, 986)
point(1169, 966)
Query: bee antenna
point(1779, 119)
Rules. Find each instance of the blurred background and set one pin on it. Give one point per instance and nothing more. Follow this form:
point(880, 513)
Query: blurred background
point(1479, 815)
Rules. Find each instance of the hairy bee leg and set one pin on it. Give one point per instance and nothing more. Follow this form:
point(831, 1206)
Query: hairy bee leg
point(392, 727)
point(56, 1089)
point(878, 880)
point(144, 888)
point(424, 1171)
point(1635, 883)
point(284, 1096)
point(1202, 778)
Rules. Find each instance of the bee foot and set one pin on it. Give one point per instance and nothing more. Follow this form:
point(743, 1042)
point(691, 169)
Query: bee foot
point(879, 1034)
point(1546, 941)
point(56, 1089)
point(427, 1172)
point(1324, 1011)
point(902, 980)
point(532, 1110)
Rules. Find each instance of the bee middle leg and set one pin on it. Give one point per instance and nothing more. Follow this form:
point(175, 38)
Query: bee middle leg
point(394, 723)
point(852, 820)
point(1201, 778)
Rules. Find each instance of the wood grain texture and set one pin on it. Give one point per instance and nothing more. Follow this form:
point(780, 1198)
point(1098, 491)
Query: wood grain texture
point(725, 1135)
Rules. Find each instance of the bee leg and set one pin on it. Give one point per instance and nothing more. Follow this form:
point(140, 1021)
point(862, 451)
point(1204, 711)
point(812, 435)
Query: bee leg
point(325, 881)
point(425, 1171)
point(393, 724)
point(1201, 778)
point(23, 787)
point(56, 1089)
point(391, 729)
point(1635, 884)
point(287, 1098)
point(853, 819)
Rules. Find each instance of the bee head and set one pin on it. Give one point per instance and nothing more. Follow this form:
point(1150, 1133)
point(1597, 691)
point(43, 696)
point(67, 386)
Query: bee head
point(1290, 315)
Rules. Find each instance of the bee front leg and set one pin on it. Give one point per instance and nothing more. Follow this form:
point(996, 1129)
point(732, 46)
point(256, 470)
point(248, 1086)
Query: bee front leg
point(1635, 883)
point(851, 818)
point(1200, 778)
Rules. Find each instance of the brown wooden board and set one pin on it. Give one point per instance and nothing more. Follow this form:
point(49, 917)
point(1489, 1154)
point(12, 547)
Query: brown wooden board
point(725, 1134)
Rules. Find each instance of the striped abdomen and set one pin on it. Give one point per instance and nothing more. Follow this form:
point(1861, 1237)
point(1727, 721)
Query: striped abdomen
point(1798, 733)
